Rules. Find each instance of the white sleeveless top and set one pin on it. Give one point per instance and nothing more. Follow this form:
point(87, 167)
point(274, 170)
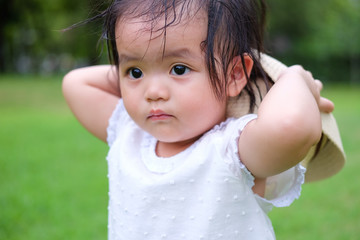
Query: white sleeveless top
point(203, 192)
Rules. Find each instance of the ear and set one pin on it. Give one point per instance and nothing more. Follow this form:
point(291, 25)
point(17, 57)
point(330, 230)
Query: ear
point(237, 75)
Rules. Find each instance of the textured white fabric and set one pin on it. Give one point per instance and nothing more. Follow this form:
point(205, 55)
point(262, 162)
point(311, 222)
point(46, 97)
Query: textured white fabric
point(203, 192)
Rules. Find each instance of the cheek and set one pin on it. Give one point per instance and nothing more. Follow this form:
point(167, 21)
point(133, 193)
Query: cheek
point(206, 109)
point(202, 99)
point(127, 94)
point(131, 102)
point(133, 109)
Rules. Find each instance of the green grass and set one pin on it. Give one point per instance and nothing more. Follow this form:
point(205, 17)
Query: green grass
point(52, 172)
point(53, 182)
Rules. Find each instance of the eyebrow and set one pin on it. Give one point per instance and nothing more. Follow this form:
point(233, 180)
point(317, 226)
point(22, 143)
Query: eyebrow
point(123, 58)
point(178, 53)
point(181, 53)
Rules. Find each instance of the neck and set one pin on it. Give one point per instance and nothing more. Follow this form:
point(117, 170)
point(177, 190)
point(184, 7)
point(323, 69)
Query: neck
point(166, 149)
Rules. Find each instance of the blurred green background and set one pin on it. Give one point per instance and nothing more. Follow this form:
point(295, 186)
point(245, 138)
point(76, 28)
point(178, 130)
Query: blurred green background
point(322, 35)
point(53, 182)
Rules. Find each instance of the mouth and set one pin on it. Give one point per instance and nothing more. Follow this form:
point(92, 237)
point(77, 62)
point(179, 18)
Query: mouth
point(158, 115)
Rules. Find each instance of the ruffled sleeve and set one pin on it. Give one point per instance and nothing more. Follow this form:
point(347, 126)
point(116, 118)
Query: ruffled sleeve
point(281, 190)
point(232, 133)
point(114, 121)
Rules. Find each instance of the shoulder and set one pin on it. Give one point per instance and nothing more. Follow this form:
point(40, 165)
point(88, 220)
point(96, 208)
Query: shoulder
point(230, 130)
point(232, 126)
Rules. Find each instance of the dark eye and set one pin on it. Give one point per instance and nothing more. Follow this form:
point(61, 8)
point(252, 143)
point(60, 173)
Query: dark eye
point(135, 73)
point(179, 70)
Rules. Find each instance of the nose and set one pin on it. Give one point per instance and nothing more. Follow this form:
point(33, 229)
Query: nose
point(157, 89)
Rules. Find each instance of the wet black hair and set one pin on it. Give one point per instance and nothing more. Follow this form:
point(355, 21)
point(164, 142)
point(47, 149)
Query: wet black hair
point(235, 28)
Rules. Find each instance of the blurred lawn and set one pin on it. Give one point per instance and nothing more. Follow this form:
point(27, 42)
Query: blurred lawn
point(53, 182)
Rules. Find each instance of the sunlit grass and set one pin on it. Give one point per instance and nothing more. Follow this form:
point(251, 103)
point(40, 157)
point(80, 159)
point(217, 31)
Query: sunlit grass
point(53, 173)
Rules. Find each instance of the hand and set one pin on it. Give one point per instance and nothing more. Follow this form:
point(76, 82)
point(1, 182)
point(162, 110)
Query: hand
point(325, 105)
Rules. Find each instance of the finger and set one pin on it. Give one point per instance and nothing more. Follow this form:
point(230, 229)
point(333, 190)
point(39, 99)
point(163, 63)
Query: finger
point(309, 74)
point(325, 105)
point(319, 84)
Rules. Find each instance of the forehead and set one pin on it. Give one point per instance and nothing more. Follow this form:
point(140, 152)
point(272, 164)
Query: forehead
point(160, 13)
point(189, 27)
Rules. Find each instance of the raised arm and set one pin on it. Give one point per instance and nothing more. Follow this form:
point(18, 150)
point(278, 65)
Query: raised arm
point(92, 94)
point(288, 124)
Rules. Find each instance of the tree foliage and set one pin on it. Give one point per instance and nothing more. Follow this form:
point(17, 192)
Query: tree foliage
point(322, 35)
point(32, 40)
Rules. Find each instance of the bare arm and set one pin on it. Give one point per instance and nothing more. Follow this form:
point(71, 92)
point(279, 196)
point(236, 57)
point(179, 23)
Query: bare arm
point(92, 94)
point(288, 124)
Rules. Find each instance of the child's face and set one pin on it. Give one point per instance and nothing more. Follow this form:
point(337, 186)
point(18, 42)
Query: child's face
point(167, 91)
